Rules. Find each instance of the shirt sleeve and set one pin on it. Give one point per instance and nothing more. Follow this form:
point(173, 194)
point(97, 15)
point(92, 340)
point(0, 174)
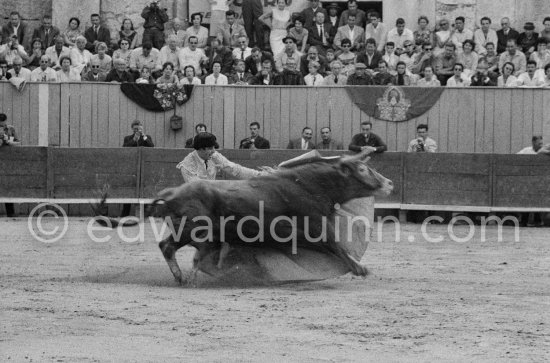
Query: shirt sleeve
point(189, 171)
point(233, 169)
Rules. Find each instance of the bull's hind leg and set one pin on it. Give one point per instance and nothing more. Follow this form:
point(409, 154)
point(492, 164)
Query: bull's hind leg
point(169, 247)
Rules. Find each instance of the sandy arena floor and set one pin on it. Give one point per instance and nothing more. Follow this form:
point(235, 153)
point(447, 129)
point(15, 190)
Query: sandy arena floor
point(81, 301)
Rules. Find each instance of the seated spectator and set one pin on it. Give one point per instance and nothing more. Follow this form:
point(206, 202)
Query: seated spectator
point(199, 128)
point(80, 56)
point(332, 16)
point(383, 77)
point(507, 79)
point(327, 142)
point(266, 77)
point(290, 76)
point(239, 76)
point(145, 76)
point(15, 27)
point(96, 33)
point(482, 78)
point(408, 56)
point(442, 37)
point(360, 77)
point(299, 33)
point(546, 31)
point(4, 74)
point(330, 55)
point(217, 52)
point(96, 73)
point(304, 142)
point(229, 32)
point(178, 31)
point(192, 56)
point(321, 34)
point(56, 52)
point(514, 56)
point(313, 56)
point(128, 33)
point(491, 57)
point(67, 73)
point(145, 55)
point(546, 79)
point(168, 75)
point(353, 33)
point(46, 32)
point(313, 78)
point(170, 52)
point(527, 41)
point(468, 58)
point(530, 78)
point(153, 28)
point(44, 73)
point(289, 52)
point(541, 56)
point(484, 35)
point(422, 143)
point(367, 140)
point(309, 13)
point(105, 61)
point(72, 32)
point(347, 58)
point(216, 78)
point(401, 78)
point(119, 74)
point(335, 77)
point(445, 63)
point(505, 34)
point(198, 31)
point(429, 79)
point(422, 34)
point(370, 57)
point(376, 30)
point(189, 77)
point(255, 141)
point(399, 35)
point(19, 71)
point(253, 64)
point(460, 34)
point(36, 52)
point(12, 49)
point(391, 58)
point(459, 77)
point(123, 51)
point(243, 51)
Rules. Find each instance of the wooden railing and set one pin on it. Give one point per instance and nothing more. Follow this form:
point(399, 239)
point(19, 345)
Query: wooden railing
point(471, 120)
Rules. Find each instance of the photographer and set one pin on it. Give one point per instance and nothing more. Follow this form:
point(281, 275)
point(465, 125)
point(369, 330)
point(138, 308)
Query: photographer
point(155, 17)
point(422, 143)
point(12, 49)
point(255, 141)
point(138, 138)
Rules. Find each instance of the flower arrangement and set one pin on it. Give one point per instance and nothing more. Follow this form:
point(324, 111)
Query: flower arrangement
point(168, 94)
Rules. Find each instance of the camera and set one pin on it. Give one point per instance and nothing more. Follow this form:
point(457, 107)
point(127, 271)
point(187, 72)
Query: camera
point(246, 144)
point(420, 144)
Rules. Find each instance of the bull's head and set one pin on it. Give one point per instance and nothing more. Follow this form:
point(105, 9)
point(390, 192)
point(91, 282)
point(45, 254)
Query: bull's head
point(355, 166)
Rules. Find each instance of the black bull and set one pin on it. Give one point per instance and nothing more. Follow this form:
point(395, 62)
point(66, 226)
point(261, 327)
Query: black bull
point(309, 191)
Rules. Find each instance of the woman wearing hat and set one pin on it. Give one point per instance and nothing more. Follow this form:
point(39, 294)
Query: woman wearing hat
point(527, 40)
point(280, 20)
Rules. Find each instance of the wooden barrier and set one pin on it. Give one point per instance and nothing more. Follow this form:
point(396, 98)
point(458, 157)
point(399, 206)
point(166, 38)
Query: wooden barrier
point(464, 120)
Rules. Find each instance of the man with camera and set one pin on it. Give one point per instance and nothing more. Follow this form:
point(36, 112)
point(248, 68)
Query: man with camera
point(422, 143)
point(155, 17)
point(255, 141)
point(12, 50)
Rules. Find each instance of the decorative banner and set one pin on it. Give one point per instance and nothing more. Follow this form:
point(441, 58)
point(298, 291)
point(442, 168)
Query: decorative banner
point(157, 98)
point(395, 103)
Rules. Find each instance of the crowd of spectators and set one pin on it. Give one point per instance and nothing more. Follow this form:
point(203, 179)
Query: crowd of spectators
point(318, 46)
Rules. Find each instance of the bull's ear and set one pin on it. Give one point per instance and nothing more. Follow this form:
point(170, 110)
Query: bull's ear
point(346, 169)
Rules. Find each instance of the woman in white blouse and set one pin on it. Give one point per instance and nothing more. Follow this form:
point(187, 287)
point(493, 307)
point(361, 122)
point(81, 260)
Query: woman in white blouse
point(216, 78)
point(507, 79)
point(189, 77)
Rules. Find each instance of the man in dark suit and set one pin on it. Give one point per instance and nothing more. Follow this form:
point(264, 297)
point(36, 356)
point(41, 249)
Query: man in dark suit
point(255, 141)
point(303, 143)
point(505, 34)
point(313, 56)
point(310, 13)
point(96, 33)
point(252, 10)
point(46, 32)
point(367, 140)
point(266, 77)
point(15, 26)
point(370, 57)
point(217, 52)
point(332, 16)
point(95, 74)
point(321, 34)
point(239, 76)
point(253, 63)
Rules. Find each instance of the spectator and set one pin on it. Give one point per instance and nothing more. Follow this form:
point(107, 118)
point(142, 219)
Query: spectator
point(290, 76)
point(143, 56)
point(128, 33)
point(376, 30)
point(515, 56)
point(265, 77)
point(429, 79)
point(189, 77)
point(197, 31)
point(168, 76)
point(527, 41)
point(216, 78)
point(313, 56)
point(468, 58)
point(8, 137)
point(177, 31)
point(327, 142)
point(280, 20)
point(192, 56)
point(484, 35)
point(541, 56)
point(218, 12)
point(253, 64)
point(351, 32)
point(546, 31)
point(460, 34)
point(383, 77)
point(321, 34)
point(313, 78)
point(96, 72)
point(123, 51)
point(399, 35)
point(217, 52)
point(371, 57)
point(67, 73)
point(309, 14)
point(530, 78)
point(391, 58)
point(199, 128)
point(153, 28)
point(505, 34)
point(491, 58)
point(19, 71)
point(423, 143)
point(72, 32)
point(44, 73)
point(459, 78)
point(252, 10)
point(353, 9)
point(289, 52)
point(15, 27)
point(360, 77)
point(299, 33)
point(242, 51)
point(424, 59)
point(255, 141)
point(46, 32)
point(408, 56)
point(482, 79)
point(303, 143)
point(12, 49)
point(36, 52)
point(96, 34)
point(507, 79)
point(105, 61)
point(57, 51)
point(330, 55)
point(335, 77)
point(80, 56)
point(367, 141)
point(170, 52)
point(239, 76)
point(229, 32)
point(401, 78)
point(445, 63)
point(4, 74)
point(119, 74)
point(537, 143)
point(145, 76)
point(332, 17)
point(347, 58)
point(442, 37)
point(422, 34)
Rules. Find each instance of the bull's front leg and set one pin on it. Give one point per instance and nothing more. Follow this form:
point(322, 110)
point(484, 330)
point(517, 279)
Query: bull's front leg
point(355, 266)
point(169, 247)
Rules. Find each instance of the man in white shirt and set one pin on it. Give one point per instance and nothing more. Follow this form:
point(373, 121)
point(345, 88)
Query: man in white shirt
point(57, 51)
point(376, 30)
point(423, 143)
point(19, 71)
point(44, 73)
point(217, 17)
point(145, 55)
point(484, 35)
point(192, 56)
point(536, 146)
point(242, 51)
point(399, 35)
point(530, 78)
point(460, 34)
point(170, 52)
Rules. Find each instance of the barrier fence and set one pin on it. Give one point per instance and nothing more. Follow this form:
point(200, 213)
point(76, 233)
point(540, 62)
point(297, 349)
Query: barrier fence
point(476, 182)
point(463, 120)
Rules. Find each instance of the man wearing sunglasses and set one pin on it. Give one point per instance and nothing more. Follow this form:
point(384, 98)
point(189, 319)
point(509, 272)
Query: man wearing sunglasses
point(44, 73)
point(95, 74)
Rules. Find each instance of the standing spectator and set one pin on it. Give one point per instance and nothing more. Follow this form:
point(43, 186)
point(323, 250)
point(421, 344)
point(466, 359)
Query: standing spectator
point(422, 143)
point(310, 13)
point(155, 17)
point(460, 34)
point(243, 51)
point(515, 56)
point(56, 51)
point(46, 32)
point(445, 63)
point(217, 52)
point(289, 52)
point(170, 52)
point(12, 49)
point(145, 55)
point(198, 31)
point(352, 32)
point(399, 35)
point(423, 34)
point(383, 77)
point(299, 33)
point(303, 143)
point(266, 77)
point(19, 71)
point(429, 80)
point(253, 64)
point(178, 31)
point(252, 10)
point(313, 56)
point(327, 142)
point(505, 34)
point(367, 140)
point(96, 73)
point(335, 77)
point(530, 78)
point(218, 11)
point(72, 32)
point(321, 34)
point(14, 27)
point(546, 31)
point(216, 78)
point(105, 61)
point(192, 56)
point(353, 9)
point(507, 79)
point(332, 17)
point(67, 73)
point(8, 137)
point(229, 32)
point(189, 77)
point(376, 30)
point(80, 56)
point(458, 79)
point(360, 77)
point(123, 51)
point(119, 74)
point(313, 78)
point(290, 76)
point(401, 78)
point(370, 57)
point(128, 33)
point(280, 20)
point(239, 76)
point(441, 37)
point(484, 35)
point(255, 141)
point(96, 33)
point(44, 73)
point(527, 41)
